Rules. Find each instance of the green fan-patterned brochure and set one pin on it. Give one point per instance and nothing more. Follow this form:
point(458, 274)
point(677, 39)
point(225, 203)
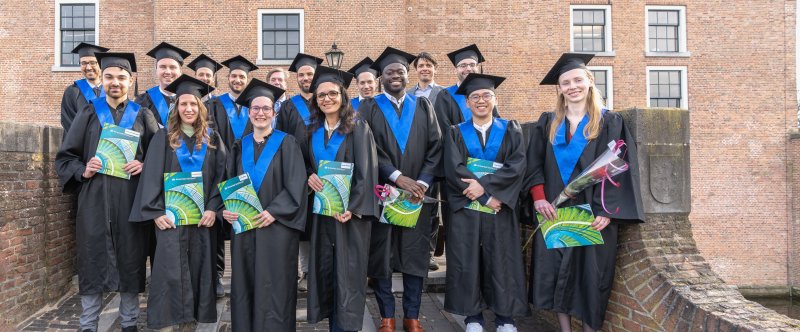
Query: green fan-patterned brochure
point(240, 197)
point(183, 197)
point(572, 228)
point(481, 167)
point(117, 147)
point(336, 177)
point(401, 211)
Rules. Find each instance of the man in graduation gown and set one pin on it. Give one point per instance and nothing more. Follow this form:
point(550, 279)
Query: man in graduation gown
point(264, 259)
point(183, 276)
point(293, 118)
point(576, 281)
point(205, 70)
point(366, 80)
point(81, 92)
point(409, 151)
point(484, 261)
point(340, 244)
point(169, 60)
point(111, 251)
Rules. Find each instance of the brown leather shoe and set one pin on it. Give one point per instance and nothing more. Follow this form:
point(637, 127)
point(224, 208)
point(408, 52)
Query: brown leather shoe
point(412, 325)
point(387, 325)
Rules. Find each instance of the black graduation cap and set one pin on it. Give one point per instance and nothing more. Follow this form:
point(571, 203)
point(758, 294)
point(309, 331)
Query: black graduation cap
point(166, 50)
point(327, 74)
point(567, 62)
point(204, 61)
point(258, 88)
point(469, 52)
point(241, 63)
point(186, 84)
point(304, 60)
point(392, 55)
point(363, 66)
point(475, 81)
point(125, 61)
point(86, 49)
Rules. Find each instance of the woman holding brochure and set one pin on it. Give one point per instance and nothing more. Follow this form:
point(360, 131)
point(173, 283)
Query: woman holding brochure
point(576, 281)
point(264, 248)
point(178, 190)
point(343, 172)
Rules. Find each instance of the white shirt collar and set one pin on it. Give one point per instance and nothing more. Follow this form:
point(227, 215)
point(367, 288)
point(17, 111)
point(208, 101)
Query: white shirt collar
point(360, 98)
point(334, 127)
point(100, 85)
point(394, 100)
point(483, 128)
point(166, 93)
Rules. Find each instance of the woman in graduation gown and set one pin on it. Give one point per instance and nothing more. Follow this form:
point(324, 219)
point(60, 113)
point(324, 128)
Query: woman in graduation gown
point(485, 269)
point(264, 259)
point(182, 277)
point(577, 281)
point(340, 244)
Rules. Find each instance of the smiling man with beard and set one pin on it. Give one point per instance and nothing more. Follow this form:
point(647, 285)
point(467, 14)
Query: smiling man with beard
point(84, 90)
point(169, 60)
point(409, 150)
point(230, 118)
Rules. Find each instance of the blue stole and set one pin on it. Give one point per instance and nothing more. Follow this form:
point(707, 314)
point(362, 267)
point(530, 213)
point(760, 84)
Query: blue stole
point(87, 92)
point(238, 123)
point(159, 103)
point(355, 102)
point(473, 143)
point(257, 170)
point(401, 127)
point(323, 151)
point(302, 108)
point(461, 100)
point(191, 162)
point(104, 113)
point(567, 154)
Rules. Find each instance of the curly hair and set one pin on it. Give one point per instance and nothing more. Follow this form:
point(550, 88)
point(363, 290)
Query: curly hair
point(346, 113)
point(200, 127)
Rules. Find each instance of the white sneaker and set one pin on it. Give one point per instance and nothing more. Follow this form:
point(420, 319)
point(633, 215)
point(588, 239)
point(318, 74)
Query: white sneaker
point(506, 328)
point(474, 327)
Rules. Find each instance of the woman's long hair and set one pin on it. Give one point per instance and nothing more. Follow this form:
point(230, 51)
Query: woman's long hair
point(594, 108)
point(200, 126)
point(346, 114)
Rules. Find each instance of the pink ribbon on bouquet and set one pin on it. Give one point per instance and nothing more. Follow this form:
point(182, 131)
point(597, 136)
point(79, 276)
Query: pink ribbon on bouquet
point(619, 144)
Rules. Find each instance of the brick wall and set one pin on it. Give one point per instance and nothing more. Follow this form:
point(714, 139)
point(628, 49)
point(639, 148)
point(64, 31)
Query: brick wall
point(794, 228)
point(37, 235)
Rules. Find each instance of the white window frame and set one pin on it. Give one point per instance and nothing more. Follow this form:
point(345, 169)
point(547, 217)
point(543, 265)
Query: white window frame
point(682, 46)
point(684, 83)
point(57, 31)
point(609, 50)
point(609, 83)
point(261, 12)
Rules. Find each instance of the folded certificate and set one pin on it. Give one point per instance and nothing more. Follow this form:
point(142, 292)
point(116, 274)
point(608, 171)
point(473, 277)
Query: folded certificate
point(481, 167)
point(183, 197)
point(117, 147)
point(399, 210)
point(572, 228)
point(335, 194)
point(240, 197)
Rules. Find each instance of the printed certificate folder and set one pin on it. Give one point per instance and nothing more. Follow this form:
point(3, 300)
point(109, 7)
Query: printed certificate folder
point(183, 197)
point(117, 147)
point(335, 195)
point(481, 167)
point(240, 197)
point(571, 229)
point(399, 210)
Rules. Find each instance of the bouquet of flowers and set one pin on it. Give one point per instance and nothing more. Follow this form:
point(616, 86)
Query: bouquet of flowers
point(400, 207)
point(608, 165)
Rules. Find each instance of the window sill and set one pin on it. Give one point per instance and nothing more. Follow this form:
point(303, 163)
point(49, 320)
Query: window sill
point(57, 68)
point(668, 54)
point(262, 62)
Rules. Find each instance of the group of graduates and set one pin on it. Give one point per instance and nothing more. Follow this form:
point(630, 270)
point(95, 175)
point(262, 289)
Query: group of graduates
point(415, 139)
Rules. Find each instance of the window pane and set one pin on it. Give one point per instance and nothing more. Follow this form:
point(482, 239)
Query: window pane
point(293, 37)
point(674, 77)
point(588, 17)
point(66, 23)
point(577, 17)
point(269, 22)
point(280, 52)
point(89, 36)
point(576, 45)
point(599, 17)
point(66, 10)
point(269, 51)
point(661, 45)
point(673, 17)
point(675, 91)
point(77, 11)
point(652, 31)
point(651, 17)
point(280, 37)
point(598, 45)
point(269, 37)
point(293, 22)
point(662, 17)
point(292, 51)
point(280, 22)
point(89, 11)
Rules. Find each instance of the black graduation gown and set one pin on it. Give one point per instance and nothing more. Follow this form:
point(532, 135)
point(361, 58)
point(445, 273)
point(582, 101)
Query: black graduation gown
point(219, 117)
point(71, 103)
point(182, 277)
point(447, 111)
point(144, 100)
point(289, 121)
point(403, 249)
point(578, 280)
point(484, 261)
point(348, 242)
point(264, 260)
point(111, 251)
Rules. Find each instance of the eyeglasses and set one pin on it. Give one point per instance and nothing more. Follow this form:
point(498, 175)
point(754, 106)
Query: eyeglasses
point(467, 65)
point(88, 63)
point(330, 94)
point(486, 97)
point(259, 109)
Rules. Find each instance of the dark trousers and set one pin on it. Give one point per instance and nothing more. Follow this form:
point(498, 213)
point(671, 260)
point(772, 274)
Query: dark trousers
point(498, 320)
point(221, 234)
point(332, 319)
point(412, 296)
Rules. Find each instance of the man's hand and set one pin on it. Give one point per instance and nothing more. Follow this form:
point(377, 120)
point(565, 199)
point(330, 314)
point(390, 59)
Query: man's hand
point(92, 167)
point(494, 204)
point(474, 190)
point(408, 184)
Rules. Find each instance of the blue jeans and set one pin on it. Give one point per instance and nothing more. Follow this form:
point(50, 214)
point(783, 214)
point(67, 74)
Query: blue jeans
point(93, 303)
point(412, 296)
